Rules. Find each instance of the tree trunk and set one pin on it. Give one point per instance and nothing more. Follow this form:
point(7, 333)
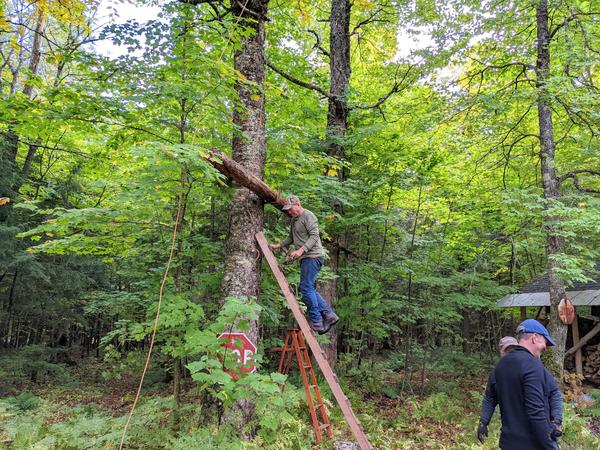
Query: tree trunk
point(339, 66)
point(10, 315)
point(177, 383)
point(242, 256)
point(9, 145)
point(550, 185)
point(337, 125)
point(36, 51)
point(34, 64)
point(31, 152)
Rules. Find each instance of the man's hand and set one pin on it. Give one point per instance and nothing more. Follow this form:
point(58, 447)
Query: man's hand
point(556, 429)
point(297, 253)
point(482, 431)
point(274, 246)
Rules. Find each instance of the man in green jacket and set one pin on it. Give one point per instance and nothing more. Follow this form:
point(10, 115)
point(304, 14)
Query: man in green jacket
point(304, 234)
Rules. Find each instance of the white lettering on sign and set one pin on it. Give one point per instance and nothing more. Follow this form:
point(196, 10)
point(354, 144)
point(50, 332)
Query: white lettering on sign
point(243, 349)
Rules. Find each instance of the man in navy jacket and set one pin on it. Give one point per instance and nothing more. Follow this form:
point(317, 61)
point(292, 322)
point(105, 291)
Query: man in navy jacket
point(490, 399)
point(522, 390)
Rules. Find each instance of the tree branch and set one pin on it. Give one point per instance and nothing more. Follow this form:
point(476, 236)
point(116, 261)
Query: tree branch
point(573, 175)
point(396, 88)
point(299, 82)
point(197, 2)
point(367, 21)
point(572, 17)
point(59, 149)
point(127, 127)
point(586, 39)
point(524, 67)
point(506, 136)
point(213, 4)
point(318, 43)
point(583, 121)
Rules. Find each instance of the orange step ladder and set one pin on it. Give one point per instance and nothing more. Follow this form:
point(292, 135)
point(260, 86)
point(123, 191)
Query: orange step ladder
point(295, 345)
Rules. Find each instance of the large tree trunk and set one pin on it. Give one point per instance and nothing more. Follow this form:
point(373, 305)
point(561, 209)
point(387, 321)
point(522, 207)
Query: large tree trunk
point(337, 125)
point(34, 65)
point(550, 185)
point(9, 144)
point(36, 51)
point(339, 66)
point(242, 256)
point(9, 312)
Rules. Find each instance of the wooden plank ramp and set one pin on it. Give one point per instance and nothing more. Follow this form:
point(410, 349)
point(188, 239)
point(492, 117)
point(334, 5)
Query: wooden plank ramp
point(317, 352)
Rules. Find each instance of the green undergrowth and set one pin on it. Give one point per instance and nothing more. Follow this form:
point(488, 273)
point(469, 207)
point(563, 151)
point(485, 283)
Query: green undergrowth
point(439, 411)
point(60, 425)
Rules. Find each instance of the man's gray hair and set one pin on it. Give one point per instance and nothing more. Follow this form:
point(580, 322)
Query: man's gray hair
point(523, 336)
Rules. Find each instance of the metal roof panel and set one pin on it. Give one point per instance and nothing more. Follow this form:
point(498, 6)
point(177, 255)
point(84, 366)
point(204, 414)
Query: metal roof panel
point(579, 298)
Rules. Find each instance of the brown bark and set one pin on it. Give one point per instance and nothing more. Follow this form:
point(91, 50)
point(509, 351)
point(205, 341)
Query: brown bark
point(11, 145)
point(550, 185)
point(339, 66)
point(243, 177)
point(177, 380)
point(34, 64)
point(36, 51)
point(9, 312)
point(242, 256)
point(337, 125)
point(31, 152)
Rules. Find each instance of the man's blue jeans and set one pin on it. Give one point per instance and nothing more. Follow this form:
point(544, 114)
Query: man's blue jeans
point(317, 307)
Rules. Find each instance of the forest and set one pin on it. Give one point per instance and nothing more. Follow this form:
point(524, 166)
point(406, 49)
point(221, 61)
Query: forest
point(450, 152)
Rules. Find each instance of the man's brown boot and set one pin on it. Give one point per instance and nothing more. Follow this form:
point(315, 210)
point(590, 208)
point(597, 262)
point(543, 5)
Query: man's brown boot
point(328, 321)
point(317, 327)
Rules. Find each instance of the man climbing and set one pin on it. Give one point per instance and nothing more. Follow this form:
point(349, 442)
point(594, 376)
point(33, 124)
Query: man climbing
point(304, 234)
point(521, 390)
point(488, 405)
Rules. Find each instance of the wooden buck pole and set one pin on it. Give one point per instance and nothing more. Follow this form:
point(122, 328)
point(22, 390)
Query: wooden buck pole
point(594, 331)
point(331, 378)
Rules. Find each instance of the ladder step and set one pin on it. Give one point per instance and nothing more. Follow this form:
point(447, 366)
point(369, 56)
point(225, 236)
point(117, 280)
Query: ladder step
point(324, 426)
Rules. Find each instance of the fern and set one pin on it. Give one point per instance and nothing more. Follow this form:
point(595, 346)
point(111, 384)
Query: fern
point(25, 401)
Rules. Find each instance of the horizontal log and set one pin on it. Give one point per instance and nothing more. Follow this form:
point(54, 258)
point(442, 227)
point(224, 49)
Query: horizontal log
point(240, 175)
point(584, 340)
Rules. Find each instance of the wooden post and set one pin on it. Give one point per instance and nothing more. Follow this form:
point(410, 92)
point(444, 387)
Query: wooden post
point(330, 377)
point(578, 357)
point(523, 310)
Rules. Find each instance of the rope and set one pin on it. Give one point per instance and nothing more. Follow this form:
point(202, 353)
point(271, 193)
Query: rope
point(178, 218)
point(160, 298)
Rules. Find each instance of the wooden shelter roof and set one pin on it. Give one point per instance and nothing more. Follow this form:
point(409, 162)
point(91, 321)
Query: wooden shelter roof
point(536, 293)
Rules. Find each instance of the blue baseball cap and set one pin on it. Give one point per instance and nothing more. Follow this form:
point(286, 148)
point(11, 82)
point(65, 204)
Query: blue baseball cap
point(533, 326)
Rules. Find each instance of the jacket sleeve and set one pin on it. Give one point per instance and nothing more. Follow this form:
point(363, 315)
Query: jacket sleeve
point(490, 400)
point(534, 378)
point(556, 398)
point(312, 229)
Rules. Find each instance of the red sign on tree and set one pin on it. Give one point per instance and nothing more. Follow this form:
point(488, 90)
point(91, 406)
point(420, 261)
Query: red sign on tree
point(243, 350)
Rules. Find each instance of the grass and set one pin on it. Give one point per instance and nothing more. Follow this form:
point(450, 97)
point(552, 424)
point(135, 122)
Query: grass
point(439, 410)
